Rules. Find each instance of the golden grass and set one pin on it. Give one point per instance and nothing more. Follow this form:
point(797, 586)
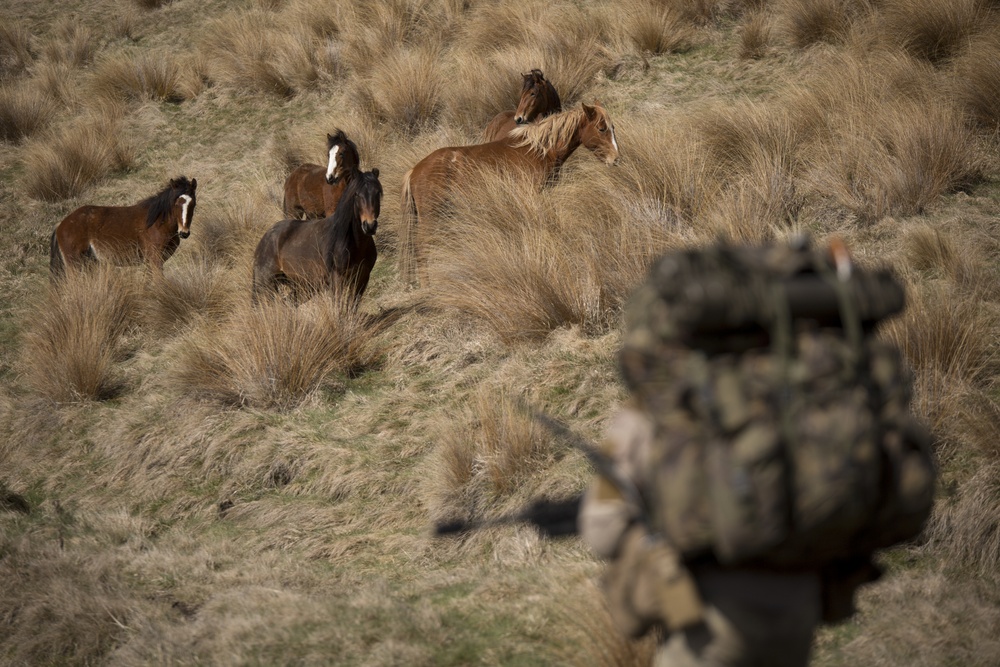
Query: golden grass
point(933, 31)
point(71, 43)
point(975, 79)
point(755, 36)
point(24, 110)
point(15, 47)
point(657, 28)
point(74, 348)
point(276, 355)
point(72, 157)
point(135, 77)
point(806, 22)
point(406, 90)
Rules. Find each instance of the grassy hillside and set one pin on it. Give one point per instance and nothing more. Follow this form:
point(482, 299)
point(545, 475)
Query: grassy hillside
point(185, 479)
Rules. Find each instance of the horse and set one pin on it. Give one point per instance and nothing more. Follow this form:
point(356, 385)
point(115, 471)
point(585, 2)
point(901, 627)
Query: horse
point(312, 191)
point(538, 149)
point(336, 252)
point(538, 99)
point(150, 230)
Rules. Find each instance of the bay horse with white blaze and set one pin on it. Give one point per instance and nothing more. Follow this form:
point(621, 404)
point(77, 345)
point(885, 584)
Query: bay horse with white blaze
point(336, 252)
point(311, 190)
point(148, 231)
point(538, 100)
point(538, 150)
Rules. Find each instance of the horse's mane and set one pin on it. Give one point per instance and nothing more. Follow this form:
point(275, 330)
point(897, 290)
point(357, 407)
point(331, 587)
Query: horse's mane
point(343, 210)
point(549, 132)
point(158, 206)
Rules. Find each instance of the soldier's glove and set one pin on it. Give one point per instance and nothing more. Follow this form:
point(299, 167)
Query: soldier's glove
point(648, 584)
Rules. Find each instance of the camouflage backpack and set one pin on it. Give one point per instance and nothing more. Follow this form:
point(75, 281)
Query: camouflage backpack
point(783, 435)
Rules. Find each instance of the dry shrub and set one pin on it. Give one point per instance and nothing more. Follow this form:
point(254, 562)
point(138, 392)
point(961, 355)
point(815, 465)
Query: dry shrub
point(932, 30)
point(77, 339)
point(71, 43)
point(70, 158)
point(405, 90)
point(755, 36)
point(24, 110)
point(975, 79)
point(141, 76)
point(15, 47)
point(896, 159)
point(275, 355)
point(656, 27)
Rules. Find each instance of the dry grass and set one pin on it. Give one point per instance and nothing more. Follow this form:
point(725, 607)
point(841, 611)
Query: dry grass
point(406, 90)
point(79, 337)
point(975, 79)
point(15, 47)
point(276, 355)
point(71, 43)
point(657, 28)
point(136, 77)
point(72, 157)
point(755, 36)
point(188, 290)
point(933, 31)
point(806, 22)
point(24, 110)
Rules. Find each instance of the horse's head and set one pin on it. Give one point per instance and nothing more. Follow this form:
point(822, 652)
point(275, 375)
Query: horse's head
point(184, 203)
point(342, 156)
point(368, 200)
point(597, 133)
point(538, 98)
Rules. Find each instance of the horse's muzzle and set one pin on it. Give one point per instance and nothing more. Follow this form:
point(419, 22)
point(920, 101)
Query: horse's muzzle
point(369, 227)
point(183, 234)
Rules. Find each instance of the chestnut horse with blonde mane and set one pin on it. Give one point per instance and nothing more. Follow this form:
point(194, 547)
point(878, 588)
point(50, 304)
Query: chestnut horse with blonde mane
point(538, 100)
point(150, 230)
point(538, 150)
point(311, 190)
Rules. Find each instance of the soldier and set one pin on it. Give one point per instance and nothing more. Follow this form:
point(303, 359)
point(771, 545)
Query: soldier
point(744, 509)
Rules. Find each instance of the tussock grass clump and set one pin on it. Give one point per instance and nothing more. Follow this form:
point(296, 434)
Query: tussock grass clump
point(15, 47)
point(975, 79)
point(275, 355)
point(184, 292)
point(903, 157)
point(657, 28)
point(58, 82)
point(142, 76)
point(488, 87)
point(24, 110)
point(931, 30)
point(405, 91)
point(151, 4)
point(70, 158)
point(755, 36)
point(488, 456)
point(968, 529)
point(230, 234)
point(78, 336)
point(71, 43)
point(806, 22)
point(248, 51)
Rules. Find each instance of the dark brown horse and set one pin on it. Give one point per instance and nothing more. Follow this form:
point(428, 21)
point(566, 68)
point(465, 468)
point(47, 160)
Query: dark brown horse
point(150, 230)
point(336, 253)
point(538, 150)
point(312, 191)
point(538, 99)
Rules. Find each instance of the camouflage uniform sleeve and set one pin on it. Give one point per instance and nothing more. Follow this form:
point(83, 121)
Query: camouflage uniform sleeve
point(606, 514)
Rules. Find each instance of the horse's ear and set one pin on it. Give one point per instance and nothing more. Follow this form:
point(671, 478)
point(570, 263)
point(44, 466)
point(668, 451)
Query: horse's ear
point(329, 137)
point(375, 171)
point(194, 184)
point(589, 110)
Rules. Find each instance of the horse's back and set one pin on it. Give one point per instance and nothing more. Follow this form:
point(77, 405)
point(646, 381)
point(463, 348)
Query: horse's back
point(499, 127)
point(304, 192)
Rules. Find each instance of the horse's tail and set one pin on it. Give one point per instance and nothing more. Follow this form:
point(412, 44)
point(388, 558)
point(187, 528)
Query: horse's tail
point(408, 219)
point(56, 266)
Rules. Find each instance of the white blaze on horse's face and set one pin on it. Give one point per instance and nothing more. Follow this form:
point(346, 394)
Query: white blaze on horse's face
point(185, 226)
point(331, 168)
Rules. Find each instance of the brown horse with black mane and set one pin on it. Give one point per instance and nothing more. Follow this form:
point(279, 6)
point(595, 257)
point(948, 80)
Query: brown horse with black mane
point(150, 230)
point(312, 191)
point(336, 253)
point(538, 100)
point(538, 149)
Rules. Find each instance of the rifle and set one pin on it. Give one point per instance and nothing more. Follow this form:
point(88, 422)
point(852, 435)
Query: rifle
point(553, 518)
